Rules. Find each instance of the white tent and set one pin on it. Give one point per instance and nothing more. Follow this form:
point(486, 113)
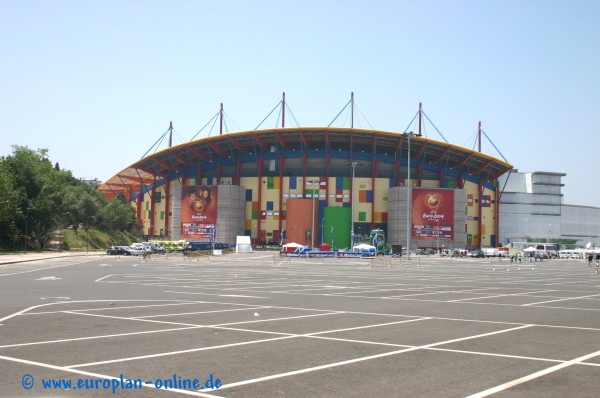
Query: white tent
point(243, 244)
point(292, 245)
point(530, 249)
point(364, 248)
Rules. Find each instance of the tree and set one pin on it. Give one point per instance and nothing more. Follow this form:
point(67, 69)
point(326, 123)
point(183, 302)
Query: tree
point(117, 215)
point(37, 197)
point(34, 191)
point(11, 196)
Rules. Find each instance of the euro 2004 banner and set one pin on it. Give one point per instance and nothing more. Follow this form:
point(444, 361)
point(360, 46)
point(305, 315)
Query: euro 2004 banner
point(432, 214)
point(198, 211)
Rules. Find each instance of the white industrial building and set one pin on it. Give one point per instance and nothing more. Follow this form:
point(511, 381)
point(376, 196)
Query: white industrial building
point(532, 209)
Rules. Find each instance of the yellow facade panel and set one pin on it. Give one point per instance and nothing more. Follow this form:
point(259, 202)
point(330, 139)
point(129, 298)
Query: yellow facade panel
point(250, 182)
point(430, 184)
point(380, 194)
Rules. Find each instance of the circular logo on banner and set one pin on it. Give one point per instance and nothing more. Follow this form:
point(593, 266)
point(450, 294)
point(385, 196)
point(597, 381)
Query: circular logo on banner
point(199, 206)
point(433, 200)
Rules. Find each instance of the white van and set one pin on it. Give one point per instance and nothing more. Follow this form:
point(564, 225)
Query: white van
point(157, 248)
point(565, 254)
point(147, 247)
point(137, 249)
point(491, 252)
point(578, 254)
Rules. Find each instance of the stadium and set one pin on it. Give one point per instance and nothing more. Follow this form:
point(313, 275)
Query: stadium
point(314, 185)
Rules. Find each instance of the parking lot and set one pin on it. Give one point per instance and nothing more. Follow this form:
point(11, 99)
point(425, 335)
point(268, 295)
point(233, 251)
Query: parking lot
point(257, 325)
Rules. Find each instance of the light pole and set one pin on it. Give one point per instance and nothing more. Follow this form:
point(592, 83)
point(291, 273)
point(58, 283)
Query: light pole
point(25, 237)
point(332, 232)
point(438, 234)
point(354, 163)
point(323, 230)
point(408, 199)
point(312, 204)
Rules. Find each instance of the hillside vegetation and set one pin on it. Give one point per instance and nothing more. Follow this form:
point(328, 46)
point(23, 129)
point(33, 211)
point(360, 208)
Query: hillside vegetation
point(39, 201)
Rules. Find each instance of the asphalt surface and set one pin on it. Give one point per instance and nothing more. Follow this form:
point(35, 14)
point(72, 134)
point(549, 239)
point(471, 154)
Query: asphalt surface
point(255, 325)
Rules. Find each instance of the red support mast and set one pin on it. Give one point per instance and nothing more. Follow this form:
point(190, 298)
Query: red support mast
point(221, 120)
point(479, 137)
point(283, 111)
point(352, 109)
point(420, 117)
point(481, 191)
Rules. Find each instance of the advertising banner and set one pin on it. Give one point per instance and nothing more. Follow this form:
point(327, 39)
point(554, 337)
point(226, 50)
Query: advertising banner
point(432, 214)
point(198, 211)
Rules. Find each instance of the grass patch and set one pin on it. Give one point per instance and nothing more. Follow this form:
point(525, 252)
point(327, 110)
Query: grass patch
point(94, 239)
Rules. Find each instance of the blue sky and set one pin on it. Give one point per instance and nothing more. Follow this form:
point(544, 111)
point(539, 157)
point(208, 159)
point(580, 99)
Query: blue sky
point(97, 82)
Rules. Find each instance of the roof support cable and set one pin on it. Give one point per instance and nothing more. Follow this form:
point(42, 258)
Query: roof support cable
point(504, 186)
point(411, 123)
point(156, 144)
point(474, 142)
point(207, 123)
point(491, 142)
point(363, 115)
point(292, 113)
point(277, 121)
point(178, 137)
point(225, 124)
point(212, 128)
point(334, 119)
point(273, 110)
point(436, 129)
point(227, 117)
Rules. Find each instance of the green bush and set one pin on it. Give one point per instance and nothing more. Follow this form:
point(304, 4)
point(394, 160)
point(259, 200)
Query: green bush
point(94, 239)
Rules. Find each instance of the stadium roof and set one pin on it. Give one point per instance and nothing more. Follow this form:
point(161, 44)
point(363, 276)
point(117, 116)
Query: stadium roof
point(168, 162)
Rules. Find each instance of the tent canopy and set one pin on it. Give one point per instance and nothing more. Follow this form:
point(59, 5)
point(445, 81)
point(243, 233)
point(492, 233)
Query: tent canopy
point(364, 247)
point(291, 247)
point(243, 244)
point(292, 244)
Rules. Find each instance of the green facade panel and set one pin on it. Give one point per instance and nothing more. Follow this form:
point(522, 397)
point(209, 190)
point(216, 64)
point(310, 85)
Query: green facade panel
point(337, 220)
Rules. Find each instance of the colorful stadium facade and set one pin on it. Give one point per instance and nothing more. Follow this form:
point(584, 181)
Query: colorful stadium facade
point(253, 183)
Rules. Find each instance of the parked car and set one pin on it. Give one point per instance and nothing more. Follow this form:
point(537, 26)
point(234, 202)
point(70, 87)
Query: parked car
point(157, 248)
point(117, 250)
point(197, 246)
point(127, 249)
point(142, 247)
point(136, 249)
point(147, 247)
point(476, 253)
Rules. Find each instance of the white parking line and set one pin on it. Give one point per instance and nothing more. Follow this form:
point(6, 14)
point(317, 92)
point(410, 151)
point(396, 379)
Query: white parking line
point(105, 336)
point(164, 354)
point(362, 359)
point(214, 294)
point(533, 376)
point(200, 312)
point(498, 295)
point(563, 299)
